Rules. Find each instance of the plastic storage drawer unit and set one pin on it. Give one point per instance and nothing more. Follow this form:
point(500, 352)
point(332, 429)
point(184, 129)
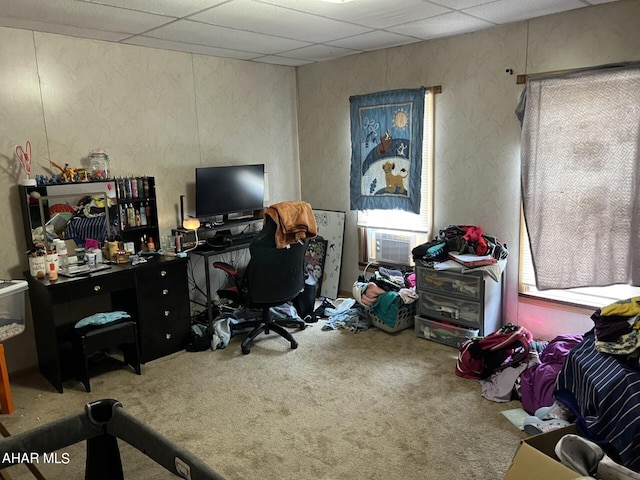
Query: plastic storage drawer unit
point(11, 324)
point(441, 332)
point(11, 308)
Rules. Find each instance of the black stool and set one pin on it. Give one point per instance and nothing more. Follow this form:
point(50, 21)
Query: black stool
point(98, 339)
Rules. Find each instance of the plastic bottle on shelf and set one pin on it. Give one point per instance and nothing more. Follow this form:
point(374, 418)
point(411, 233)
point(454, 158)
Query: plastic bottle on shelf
point(151, 246)
point(143, 244)
point(131, 215)
point(53, 273)
point(123, 217)
point(134, 187)
point(63, 256)
point(147, 208)
point(143, 216)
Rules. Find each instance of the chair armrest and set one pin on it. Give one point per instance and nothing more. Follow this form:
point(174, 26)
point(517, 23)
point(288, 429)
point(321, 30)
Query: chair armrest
point(229, 269)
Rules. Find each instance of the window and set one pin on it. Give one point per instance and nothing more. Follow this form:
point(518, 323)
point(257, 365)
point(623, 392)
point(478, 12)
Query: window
point(407, 221)
point(580, 155)
point(594, 297)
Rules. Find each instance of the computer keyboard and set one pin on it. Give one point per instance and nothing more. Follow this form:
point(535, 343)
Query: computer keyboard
point(225, 241)
point(241, 238)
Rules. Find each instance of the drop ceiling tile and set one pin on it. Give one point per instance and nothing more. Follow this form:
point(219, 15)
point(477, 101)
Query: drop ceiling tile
point(143, 41)
point(278, 60)
point(172, 8)
point(460, 4)
point(274, 20)
point(370, 13)
point(445, 25)
point(82, 14)
point(318, 53)
point(506, 11)
point(188, 31)
point(62, 29)
point(374, 41)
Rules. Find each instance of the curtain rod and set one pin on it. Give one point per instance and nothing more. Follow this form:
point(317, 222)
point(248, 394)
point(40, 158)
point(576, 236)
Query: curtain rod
point(522, 79)
point(433, 89)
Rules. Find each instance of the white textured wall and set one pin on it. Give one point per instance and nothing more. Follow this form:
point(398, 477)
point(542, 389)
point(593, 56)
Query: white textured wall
point(477, 137)
point(156, 112)
point(163, 113)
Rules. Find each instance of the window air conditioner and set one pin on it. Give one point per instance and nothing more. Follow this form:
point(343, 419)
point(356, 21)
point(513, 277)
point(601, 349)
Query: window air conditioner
point(392, 246)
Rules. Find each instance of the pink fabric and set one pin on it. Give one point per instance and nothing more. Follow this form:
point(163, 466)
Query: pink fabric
point(371, 294)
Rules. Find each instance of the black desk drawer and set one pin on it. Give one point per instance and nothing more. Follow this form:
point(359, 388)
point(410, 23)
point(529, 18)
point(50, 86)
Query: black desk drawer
point(87, 287)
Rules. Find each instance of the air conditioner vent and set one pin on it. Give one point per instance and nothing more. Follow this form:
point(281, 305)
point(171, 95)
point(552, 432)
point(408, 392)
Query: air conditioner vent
point(392, 247)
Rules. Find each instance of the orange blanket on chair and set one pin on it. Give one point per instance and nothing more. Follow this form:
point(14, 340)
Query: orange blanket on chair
point(295, 221)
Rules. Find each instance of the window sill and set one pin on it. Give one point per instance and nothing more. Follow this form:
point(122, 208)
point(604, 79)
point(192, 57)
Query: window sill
point(535, 297)
point(586, 297)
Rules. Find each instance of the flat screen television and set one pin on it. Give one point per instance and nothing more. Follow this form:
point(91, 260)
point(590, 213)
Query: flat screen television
point(229, 189)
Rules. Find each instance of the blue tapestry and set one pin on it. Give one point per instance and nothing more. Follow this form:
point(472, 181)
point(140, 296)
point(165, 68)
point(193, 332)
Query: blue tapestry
point(386, 150)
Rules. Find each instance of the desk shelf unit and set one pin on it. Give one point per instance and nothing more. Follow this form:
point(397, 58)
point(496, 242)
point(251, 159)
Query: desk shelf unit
point(155, 294)
point(31, 217)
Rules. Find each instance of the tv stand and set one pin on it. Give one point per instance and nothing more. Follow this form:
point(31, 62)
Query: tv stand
point(188, 236)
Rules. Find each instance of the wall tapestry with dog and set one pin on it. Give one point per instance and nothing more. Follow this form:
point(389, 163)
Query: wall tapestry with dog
point(386, 150)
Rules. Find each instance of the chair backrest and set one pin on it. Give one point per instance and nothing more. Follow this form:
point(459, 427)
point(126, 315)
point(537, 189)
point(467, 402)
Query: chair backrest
point(274, 275)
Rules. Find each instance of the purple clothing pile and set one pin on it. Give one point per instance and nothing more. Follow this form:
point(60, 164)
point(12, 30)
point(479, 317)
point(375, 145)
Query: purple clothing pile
point(538, 383)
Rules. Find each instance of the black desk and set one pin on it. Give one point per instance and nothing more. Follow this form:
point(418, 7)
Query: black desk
point(206, 251)
point(154, 293)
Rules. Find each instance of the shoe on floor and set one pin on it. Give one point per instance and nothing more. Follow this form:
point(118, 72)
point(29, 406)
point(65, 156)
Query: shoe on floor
point(535, 426)
point(579, 454)
point(557, 410)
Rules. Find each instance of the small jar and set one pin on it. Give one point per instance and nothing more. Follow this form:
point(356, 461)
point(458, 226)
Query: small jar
point(99, 161)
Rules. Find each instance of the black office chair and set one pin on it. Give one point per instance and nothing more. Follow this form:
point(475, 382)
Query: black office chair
point(272, 277)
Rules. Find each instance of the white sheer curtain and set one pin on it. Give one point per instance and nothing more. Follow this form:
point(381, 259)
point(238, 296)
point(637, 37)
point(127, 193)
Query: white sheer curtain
point(580, 154)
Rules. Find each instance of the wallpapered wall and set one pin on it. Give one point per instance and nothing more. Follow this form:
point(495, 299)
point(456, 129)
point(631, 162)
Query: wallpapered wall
point(156, 112)
point(163, 113)
point(477, 164)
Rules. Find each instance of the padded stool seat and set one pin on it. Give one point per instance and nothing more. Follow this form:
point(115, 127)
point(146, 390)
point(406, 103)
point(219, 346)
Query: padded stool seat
point(98, 339)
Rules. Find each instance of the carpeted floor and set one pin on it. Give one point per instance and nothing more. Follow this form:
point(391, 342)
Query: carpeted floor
point(370, 405)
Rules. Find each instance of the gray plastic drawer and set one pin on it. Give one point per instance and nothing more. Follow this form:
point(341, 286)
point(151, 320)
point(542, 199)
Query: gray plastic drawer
point(450, 283)
point(452, 309)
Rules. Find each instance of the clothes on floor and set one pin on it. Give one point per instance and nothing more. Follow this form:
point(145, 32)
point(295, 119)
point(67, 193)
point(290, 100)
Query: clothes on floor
point(499, 386)
point(348, 315)
point(537, 383)
point(229, 325)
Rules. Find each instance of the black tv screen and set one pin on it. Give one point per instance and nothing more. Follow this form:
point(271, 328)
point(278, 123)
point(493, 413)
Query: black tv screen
point(230, 189)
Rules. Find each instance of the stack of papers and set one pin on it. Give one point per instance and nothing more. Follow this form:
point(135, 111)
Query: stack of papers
point(472, 261)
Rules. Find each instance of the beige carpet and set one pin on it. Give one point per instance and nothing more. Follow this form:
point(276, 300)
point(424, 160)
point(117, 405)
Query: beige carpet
point(342, 406)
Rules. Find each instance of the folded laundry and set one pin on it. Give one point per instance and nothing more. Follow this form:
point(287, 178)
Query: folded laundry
point(101, 319)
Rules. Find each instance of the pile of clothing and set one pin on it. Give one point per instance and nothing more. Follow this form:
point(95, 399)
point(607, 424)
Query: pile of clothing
point(385, 292)
point(617, 328)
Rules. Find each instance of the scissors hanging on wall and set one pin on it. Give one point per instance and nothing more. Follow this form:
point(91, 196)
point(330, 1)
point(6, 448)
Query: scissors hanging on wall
point(24, 157)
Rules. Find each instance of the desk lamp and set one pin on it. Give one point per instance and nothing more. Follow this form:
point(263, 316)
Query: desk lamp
point(191, 223)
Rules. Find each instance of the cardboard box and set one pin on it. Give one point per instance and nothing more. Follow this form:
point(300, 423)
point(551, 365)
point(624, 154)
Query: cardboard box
point(535, 459)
